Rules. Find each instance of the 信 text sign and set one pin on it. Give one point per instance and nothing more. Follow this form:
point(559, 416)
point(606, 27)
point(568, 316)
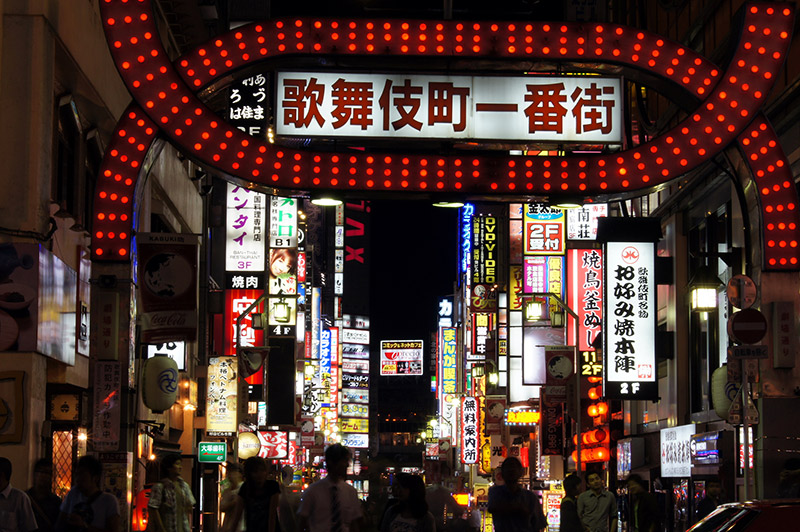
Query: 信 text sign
point(540, 108)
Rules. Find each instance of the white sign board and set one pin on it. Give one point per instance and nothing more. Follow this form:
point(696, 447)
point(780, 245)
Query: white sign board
point(401, 357)
point(582, 222)
point(630, 320)
point(676, 454)
point(530, 108)
point(355, 336)
point(174, 350)
point(244, 229)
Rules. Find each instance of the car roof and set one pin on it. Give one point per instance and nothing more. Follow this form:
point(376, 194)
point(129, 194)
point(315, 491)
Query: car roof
point(763, 503)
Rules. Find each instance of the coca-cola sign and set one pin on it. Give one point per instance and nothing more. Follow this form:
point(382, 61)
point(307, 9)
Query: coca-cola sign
point(167, 280)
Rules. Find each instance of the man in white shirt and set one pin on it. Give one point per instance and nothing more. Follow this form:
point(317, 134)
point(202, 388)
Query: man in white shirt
point(597, 507)
point(16, 513)
point(331, 504)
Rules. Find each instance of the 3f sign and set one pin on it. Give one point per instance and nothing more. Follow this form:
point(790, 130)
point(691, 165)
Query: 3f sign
point(244, 265)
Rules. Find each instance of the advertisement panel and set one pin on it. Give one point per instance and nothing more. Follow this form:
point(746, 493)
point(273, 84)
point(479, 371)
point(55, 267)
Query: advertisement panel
point(221, 396)
point(355, 396)
point(274, 444)
point(585, 295)
point(107, 406)
point(355, 410)
point(354, 425)
point(629, 334)
point(359, 381)
point(355, 351)
point(676, 453)
point(283, 271)
point(236, 302)
point(559, 365)
point(355, 366)
point(401, 357)
point(244, 229)
point(485, 253)
point(448, 360)
point(167, 272)
point(470, 416)
point(541, 108)
point(544, 230)
point(582, 222)
point(283, 222)
point(552, 428)
point(355, 441)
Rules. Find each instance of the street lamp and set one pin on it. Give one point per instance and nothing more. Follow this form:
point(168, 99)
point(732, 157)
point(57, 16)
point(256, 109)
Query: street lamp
point(703, 288)
point(561, 303)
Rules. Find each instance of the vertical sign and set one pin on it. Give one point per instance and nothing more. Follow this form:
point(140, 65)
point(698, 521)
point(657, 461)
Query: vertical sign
point(448, 373)
point(221, 396)
point(244, 229)
point(585, 295)
point(484, 250)
point(582, 223)
point(107, 390)
point(544, 230)
point(466, 236)
point(247, 105)
point(629, 332)
point(551, 427)
point(469, 430)
point(283, 222)
point(236, 302)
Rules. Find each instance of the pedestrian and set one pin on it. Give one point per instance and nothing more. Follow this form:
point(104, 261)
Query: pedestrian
point(645, 516)
point(230, 494)
point(331, 504)
point(410, 514)
point(570, 521)
point(597, 507)
point(711, 500)
point(441, 503)
point(289, 500)
point(257, 501)
point(45, 503)
point(86, 507)
point(16, 514)
point(171, 499)
point(513, 508)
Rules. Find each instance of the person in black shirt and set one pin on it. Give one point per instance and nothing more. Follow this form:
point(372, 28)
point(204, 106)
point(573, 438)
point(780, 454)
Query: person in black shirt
point(570, 521)
point(45, 503)
point(258, 499)
point(711, 500)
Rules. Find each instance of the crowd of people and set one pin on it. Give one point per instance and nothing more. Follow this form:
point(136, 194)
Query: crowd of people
point(255, 499)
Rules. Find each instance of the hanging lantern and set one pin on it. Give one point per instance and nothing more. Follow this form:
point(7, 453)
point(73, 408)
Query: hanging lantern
point(249, 445)
point(159, 383)
point(722, 392)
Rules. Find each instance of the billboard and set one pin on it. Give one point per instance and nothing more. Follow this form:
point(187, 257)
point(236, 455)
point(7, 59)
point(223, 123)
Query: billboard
point(401, 357)
point(544, 230)
point(244, 229)
point(629, 344)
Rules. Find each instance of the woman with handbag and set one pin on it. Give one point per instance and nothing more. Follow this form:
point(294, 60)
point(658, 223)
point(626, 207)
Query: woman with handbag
point(171, 499)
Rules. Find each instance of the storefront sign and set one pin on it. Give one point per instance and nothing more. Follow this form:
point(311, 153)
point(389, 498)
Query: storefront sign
point(355, 366)
point(552, 428)
point(485, 252)
point(355, 336)
point(466, 236)
point(274, 444)
point(283, 222)
point(630, 371)
point(445, 311)
point(354, 425)
point(212, 452)
point(401, 357)
point(236, 302)
point(559, 365)
point(283, 271)
point(522, 416)
point(582, 222)
point(470, 416)
point(482, 337)
point(244, 229)
point(355, 396)
point(557, 109)
point(107, 409)
point(448, 358)
point(221, 396)
point(355, 441)
point(354, 410)
point(544, 230)
point(247, 105)
point(495, 414)
point(585, 295)
point(676, 455)
point(355, 351)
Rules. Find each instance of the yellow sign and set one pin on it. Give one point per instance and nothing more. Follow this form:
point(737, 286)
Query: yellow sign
point(354, 425)
point(522, 417)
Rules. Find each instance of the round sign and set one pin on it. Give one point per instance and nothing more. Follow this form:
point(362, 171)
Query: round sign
point(741, 291)
point(249, 445)
point(747, 326)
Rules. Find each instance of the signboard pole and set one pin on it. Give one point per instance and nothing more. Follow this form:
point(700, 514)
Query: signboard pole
point(746, 438)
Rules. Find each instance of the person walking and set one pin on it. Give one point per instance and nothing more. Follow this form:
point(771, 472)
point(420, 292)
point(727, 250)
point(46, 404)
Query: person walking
point(87, 508)
point(597, 507)
point(331, 504)
point(570, 520)
point(513, 508)
point(257, 501)
point(45, 503)
point(16, 514)
point(227, 502)
point(171, 499)
point(711, 500)
point(441, 503)
point(410, 514)
point(645, 516)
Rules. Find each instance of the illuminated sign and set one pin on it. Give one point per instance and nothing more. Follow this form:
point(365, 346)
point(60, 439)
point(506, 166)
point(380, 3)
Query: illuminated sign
point(557, 109)
point(401, 357)
point(174, 350)
point(355, 441)
point(274, 444)
point(445, 311)
point(466, 236)
point(355, 396)
point(236, 302)
point(582, 222)
point(354, 425)
point(355, 366)
point(355, 351)
point(221, 396)
point(544, 230)
point(586, 297)
point(355, 410)
point(448, 360)
point(283, 222)
point(482, 342)
point(470, 416)
point(629, 347)
point(676, 455)
point(515, 417)
point(484, 251)
point(355, 336)
point(359, 381)
point(244, 229)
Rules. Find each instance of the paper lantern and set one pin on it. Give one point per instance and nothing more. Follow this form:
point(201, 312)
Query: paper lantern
point(249, 445)
point(722, 392)
point(159, 383)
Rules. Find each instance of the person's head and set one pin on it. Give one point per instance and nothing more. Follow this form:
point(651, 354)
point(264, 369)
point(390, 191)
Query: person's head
point(281, 261)
point(713, 488)
point(287, 475)
point(256, 470)
point(233, 472)
point(572, 485)
point(5, 472)
point(636, 485)
point(411, 492)
point(511, 469)
point(337, 458)
point(594, 481)
point(43, 474)
point(171, 466)
point(87, 474)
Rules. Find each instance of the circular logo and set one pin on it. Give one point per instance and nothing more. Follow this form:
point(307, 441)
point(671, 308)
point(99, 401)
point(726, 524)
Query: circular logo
point(168, 380)
point(630, 255)
point(168, 275)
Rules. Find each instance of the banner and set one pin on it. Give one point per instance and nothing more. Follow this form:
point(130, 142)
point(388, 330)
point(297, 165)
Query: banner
point(167, 273)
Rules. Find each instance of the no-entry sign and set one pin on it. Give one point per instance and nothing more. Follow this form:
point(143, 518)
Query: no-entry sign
point(747, 326)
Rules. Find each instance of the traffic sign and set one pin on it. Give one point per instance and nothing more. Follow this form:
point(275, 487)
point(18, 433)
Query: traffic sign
point(748, 351)
point(213, 452)
point(735, 412)
point(747, 326)
point(741, 291)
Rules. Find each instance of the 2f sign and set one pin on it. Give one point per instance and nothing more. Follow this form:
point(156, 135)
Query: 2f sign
point(624, 386)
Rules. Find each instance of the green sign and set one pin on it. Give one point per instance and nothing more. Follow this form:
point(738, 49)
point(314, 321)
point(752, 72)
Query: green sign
point(212, 452)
